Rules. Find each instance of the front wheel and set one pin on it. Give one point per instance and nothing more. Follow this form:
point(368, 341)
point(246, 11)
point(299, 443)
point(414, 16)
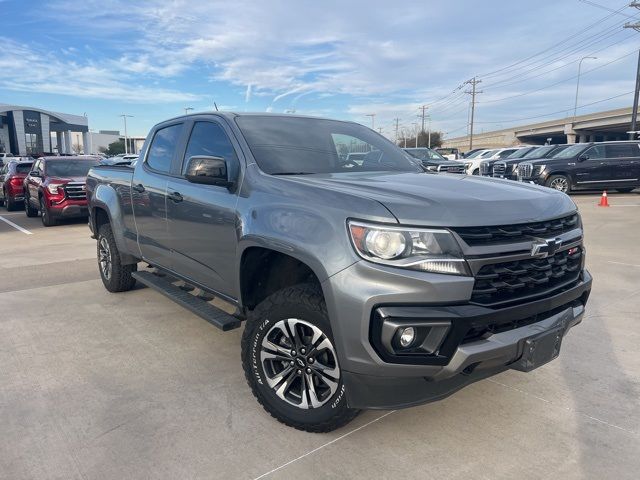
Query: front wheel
point(115, 276)
point(45, 215)
point(10, 203)
point(290, 361)
point(559, 182)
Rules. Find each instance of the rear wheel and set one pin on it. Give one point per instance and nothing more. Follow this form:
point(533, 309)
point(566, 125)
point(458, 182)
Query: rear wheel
point(558, 182)
point(45, 215)
point(28, 209)
point(10, 203)
point(115, 276)
point(290, 361)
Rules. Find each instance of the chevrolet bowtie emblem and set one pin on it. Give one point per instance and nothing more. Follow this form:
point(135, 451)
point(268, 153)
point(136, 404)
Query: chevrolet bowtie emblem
point(543, 248)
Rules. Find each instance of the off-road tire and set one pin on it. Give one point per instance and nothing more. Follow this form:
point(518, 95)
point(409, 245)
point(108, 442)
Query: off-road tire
point(304, 302)
point(28, 209)
point(120, 279)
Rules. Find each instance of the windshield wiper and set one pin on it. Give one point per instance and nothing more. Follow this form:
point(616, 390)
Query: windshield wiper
point(292, 173)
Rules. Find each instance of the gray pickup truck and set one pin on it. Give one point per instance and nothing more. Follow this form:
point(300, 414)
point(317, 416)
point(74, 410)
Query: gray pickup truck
point(364, 283)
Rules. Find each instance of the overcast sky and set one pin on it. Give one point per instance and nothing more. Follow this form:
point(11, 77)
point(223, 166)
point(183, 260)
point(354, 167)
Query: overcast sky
point(341, 59)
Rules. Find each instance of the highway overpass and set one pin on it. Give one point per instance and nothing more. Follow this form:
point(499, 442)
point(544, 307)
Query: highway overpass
point(600, 126)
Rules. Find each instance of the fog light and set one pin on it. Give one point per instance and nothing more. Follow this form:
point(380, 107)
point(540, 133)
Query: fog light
point(407, 336)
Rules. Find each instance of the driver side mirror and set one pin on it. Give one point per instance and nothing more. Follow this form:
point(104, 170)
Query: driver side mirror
point(583, 157)
point(208, 170)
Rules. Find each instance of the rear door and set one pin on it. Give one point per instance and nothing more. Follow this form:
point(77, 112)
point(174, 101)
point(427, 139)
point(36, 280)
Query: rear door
point(202, 219)
point(149, 194)
point(591, 171)
point(625, 163)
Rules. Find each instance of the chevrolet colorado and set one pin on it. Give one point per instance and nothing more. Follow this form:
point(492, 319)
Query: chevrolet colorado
point(368, 284)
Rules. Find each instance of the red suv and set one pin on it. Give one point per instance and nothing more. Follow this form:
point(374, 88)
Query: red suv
point(56, 188)
point(12, 176)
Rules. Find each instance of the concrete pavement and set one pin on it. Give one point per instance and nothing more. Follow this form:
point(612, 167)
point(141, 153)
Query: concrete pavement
point(110, 386)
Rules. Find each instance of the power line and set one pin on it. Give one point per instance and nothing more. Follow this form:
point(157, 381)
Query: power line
point(577, 34)
point(558, 82)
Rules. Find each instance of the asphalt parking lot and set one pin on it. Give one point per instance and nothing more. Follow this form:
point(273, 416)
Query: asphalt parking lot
point(96, 385)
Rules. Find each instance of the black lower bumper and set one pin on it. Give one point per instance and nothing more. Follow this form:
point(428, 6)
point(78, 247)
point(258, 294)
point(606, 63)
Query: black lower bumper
point(70, 211)
point(523, 348)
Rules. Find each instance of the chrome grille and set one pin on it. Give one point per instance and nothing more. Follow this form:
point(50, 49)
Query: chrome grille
point(75, 191)
point(522, 280)
point(485, 168)
point(525, 170)
point(451, 168)
point(518, 232)
point(499, 169)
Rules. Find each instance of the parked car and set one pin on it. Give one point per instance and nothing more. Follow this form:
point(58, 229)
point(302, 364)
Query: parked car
point(449, 153)
point(55, 188)
point(12, 176)
point(587, 166)
point(362, 286)
point(473, 163)
point(432, 161)
point(508, 168)
point(486, 165)
point(5, 157)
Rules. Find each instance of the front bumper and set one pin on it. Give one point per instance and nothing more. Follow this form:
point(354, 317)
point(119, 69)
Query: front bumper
point(69, 209)
point(375, 380)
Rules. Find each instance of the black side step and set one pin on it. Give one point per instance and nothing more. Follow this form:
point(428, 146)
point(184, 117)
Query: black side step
point(208, 312)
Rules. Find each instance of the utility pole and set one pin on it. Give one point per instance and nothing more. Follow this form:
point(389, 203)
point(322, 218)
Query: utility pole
point(124, 117)
point(417, 133)
point(397, 120)
point(473, 82)
point(186, 110)
point(373, 120)
point(634, 112)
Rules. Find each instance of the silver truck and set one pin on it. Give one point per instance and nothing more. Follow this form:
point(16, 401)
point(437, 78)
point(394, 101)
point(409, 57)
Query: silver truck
point(364, 285)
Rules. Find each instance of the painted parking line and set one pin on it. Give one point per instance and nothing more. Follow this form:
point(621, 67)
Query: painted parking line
point(625, 264)
point(323, 446)
point(17, 227)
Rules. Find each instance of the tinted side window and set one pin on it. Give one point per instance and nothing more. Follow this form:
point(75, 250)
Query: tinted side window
point(163, 148)
point(622, 150)
point(208, 138)
point(595, 152)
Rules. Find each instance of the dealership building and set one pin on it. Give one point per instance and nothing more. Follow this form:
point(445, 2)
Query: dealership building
point(28, 131)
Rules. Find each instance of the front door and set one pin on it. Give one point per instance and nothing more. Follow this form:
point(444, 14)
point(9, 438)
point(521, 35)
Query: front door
point(589, 172)
point(149, 195)
point(202, 218)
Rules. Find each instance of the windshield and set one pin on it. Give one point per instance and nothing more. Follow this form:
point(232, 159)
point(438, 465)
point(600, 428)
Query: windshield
point(477, 153)
point(540, 151)
point(571, 151)
point(424, 154)
point(487, 153)
point(298, 146)
point(520, 153)
point(69, 168)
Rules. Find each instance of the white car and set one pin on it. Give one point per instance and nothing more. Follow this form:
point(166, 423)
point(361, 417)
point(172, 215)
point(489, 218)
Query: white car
point(5, 157)
point(473, 164)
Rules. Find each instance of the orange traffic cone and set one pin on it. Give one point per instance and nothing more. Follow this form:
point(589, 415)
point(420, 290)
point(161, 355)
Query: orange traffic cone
point(604, 202)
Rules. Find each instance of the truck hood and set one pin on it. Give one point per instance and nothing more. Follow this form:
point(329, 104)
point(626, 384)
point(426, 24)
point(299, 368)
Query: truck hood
point(447, 200)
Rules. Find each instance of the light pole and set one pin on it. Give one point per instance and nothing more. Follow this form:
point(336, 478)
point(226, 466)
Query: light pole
point(415, 127)
point(186, 110)
point(575, 107)
point(124, 117)
point(373, 120)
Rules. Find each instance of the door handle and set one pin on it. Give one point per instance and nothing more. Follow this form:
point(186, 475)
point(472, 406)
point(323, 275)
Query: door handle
point(138, 188)
point(175, 197)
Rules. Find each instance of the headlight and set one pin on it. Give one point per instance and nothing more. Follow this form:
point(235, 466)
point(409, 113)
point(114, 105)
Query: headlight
point(432, 168)
point(538, 169)
point(428, 250)
point(53, 188)
point(467, 165)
